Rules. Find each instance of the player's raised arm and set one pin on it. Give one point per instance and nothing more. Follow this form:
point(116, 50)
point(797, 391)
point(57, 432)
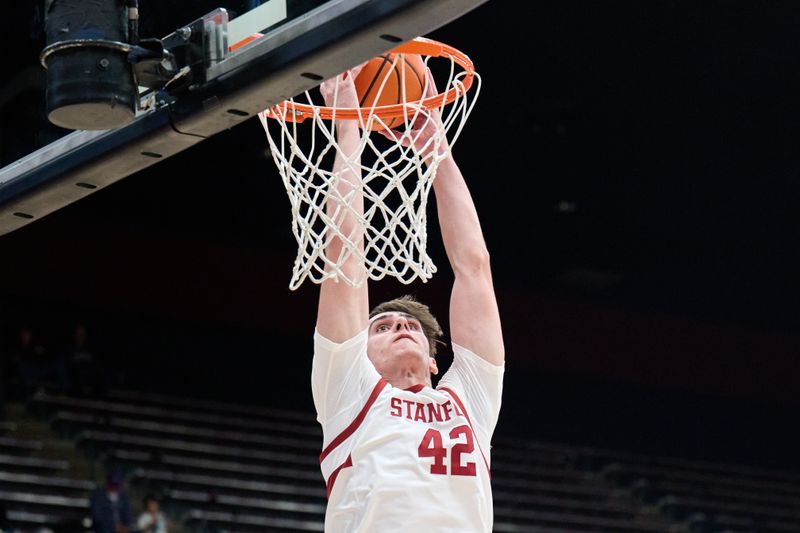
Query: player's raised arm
point(474, 317)
point(343, 310)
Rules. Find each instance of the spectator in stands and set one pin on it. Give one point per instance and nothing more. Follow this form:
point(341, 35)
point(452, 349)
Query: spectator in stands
point(38, 366)
point(152, 520)
point(82, 362)
point(110, 507)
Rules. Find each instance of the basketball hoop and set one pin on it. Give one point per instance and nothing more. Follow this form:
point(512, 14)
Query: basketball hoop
point(396, 175)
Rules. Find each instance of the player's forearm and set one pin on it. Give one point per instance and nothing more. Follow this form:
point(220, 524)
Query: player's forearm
point(458, 221)
point(348, 204)
point(343, 309)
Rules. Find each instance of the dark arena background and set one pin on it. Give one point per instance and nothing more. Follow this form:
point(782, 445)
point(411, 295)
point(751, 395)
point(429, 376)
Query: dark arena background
point(636, 168)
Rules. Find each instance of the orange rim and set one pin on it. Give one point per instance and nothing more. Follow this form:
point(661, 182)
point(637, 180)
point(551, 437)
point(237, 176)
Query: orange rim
point(296, 112)
point(247, 40)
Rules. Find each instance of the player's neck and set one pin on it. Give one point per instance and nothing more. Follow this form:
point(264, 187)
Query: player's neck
point(407, 378)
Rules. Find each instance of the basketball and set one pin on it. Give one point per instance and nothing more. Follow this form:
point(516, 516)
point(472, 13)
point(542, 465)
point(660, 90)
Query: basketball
point(389, 80)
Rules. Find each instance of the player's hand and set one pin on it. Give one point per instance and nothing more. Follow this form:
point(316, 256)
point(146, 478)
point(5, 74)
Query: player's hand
point(346, 95)
point(426, 126)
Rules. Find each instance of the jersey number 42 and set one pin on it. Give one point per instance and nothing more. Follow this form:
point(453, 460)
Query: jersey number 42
point(431, 446)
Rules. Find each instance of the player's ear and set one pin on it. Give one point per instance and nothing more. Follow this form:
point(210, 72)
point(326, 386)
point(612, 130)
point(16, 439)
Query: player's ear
point(432, 366)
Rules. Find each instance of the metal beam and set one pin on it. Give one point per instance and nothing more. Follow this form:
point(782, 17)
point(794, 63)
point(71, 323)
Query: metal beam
point(324, 42)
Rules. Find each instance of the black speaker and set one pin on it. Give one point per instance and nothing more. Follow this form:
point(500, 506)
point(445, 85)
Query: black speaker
point(90, 83)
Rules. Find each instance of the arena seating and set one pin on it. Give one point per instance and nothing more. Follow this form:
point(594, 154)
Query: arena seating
point(216, 466)
point(711, 496)
point(36, 488)
point(240, 469)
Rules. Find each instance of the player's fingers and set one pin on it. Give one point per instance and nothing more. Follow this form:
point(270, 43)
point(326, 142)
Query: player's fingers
point(328, 86)
point(350, 74)
point(347, 77)
point(355, 71)
point(393, 135)
point(419, 122)
point(389, 134)
point(430, 84)
point(344, 85)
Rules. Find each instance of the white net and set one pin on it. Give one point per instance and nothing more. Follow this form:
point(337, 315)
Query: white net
point(397, 173)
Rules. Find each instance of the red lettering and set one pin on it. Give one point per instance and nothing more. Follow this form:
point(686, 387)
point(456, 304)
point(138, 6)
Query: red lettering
point(431, 446)
point(456, 468)
point(434, 412)
point(397, 407)
point(447, 409)
point(408, 403)
point(420, 413)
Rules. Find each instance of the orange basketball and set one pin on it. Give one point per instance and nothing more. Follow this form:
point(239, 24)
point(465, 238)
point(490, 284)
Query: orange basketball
point(389, 80)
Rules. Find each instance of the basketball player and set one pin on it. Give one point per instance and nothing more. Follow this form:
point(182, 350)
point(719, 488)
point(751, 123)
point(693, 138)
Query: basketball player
point(397, 453)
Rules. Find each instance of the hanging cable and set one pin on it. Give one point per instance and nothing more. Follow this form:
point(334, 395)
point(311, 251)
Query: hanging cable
point(133, 21)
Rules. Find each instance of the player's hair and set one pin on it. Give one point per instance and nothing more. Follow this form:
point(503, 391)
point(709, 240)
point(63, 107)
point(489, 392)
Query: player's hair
point(408, 304)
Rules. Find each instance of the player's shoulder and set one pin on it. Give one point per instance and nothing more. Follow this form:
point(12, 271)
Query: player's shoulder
point(463, 356)
point(356, 342)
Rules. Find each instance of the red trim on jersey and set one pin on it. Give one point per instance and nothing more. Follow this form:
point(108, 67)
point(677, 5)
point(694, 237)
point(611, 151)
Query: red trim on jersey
point(415, 388)
point(331, 480)
point(455, 397)
point(343, 436)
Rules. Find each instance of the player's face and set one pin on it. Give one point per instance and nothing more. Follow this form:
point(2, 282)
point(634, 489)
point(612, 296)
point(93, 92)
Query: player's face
point(398, 343)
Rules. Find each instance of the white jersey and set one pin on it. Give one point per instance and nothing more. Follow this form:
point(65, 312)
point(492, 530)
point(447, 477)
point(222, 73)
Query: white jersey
point(394, 459)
